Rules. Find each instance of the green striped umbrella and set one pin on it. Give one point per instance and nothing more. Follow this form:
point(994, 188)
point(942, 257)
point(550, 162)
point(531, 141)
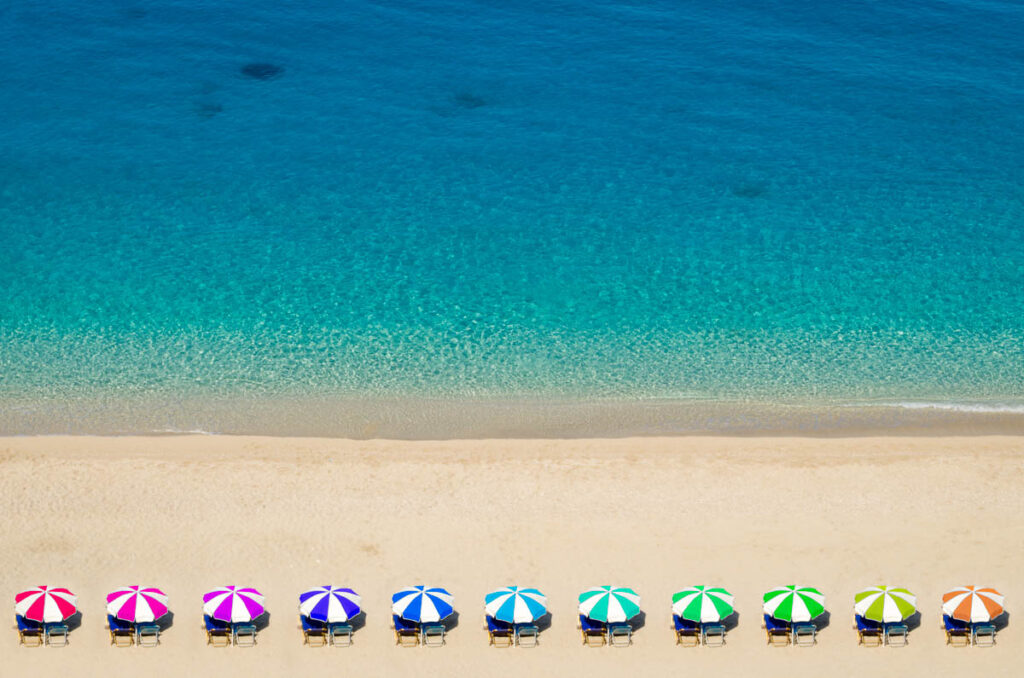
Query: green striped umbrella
point(885, 603)
point(794, 603)
point(702, 603)
point(609, 604)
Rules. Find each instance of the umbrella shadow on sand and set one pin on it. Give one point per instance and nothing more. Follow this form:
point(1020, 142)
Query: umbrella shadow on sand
point(639, 621)
point(74, 621)
point(451, 621)
point(1002, 621)
point(822, 621)
point(357, 621)
point(543, 622)
point(166, 621)
point(732, 621)
point(261, 622)
point(913, 621)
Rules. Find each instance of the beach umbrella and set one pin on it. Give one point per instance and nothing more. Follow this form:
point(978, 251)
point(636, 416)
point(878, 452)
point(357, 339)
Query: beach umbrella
point(233, 604)
point(515, 604)
point(45, 604)
point(329, 604)
point(702, 603)
point(885, 603)
point(422, 604)
point(794, 603)
point(609, 603)
point(972, 604)
point(137, 604)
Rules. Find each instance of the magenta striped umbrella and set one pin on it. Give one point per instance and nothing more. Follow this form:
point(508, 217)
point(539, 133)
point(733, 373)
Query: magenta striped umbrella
point(137, 604)
point(233, 604)
point(45, 604)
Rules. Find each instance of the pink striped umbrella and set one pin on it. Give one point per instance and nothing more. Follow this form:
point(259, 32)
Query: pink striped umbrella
point(45, 604)
point(233, 604)
point(137, 604)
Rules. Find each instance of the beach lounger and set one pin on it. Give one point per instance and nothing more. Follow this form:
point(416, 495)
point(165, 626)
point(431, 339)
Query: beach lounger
point(712, 635)
point(620, 634)
point(896, 635)
point(122, 634)
point(243, 635)
point(805, 634)
point(527, 635)
point(958, 633)
point(314, 633)
point(407, 634)
point(593, 632)
point(499, 633)
point(687, 632)
point(339, 634)
point(147, 634)
point(30, 633)
point(218, 633)
point(869, 633)
point(776, 631)
point(983, 634)
point(56, 634)
point(432, 635)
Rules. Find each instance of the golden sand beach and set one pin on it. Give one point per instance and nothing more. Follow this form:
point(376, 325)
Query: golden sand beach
point(188, 513)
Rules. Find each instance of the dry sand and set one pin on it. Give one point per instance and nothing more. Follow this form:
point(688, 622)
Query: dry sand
point(193, 512)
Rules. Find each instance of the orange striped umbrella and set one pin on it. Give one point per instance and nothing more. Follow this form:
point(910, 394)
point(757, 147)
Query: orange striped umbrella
point(972, 604)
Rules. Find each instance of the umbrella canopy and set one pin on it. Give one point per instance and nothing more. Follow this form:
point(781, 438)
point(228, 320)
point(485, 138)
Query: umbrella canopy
point(422, 604)
point(794, 603)
point(702, 603)
point(516, 605)
point(609, 603)
point(885, 603)
point(972, 604)
point(45, 604)
point(233, 604)
point(137, 604)
point(329, 604)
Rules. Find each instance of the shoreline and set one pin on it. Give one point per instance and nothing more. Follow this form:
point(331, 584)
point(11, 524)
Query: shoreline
point(475, 418)
point(655, 514)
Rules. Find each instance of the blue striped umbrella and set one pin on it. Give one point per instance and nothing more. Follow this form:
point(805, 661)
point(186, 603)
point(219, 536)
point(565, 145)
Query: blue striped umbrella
point(516, 605)
point(422, 604)
point(329, 604)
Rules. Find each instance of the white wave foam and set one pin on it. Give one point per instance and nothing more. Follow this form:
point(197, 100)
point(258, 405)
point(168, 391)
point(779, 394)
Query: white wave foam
point(972, 407)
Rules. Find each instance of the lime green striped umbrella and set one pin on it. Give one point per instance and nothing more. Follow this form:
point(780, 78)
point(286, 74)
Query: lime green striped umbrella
point(794, 603)
point(885, 603)
point(609, 604)
point(702, 603)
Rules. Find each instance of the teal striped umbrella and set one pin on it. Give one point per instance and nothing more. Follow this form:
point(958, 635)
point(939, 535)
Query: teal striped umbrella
point(885, 603)
point(794, 603)
point(609, 604)
point(702, 603)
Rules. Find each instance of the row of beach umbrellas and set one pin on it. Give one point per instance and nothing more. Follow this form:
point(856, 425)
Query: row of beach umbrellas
point(513, 604)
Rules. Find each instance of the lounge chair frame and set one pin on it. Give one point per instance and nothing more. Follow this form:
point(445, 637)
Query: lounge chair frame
point(56, 635)
point(406, 635)
point(528, 632)
point(499, 634)
point(432, 635)
point(958, 634)
point(314, 634)
point(712, 635)
point(687, 633)
point(30, 634)
point(777, 634)
point(243, 635)
point(122, 634)
point(805, 634)
point(983, 635)
point(896, 635)
point(339, 635)
point(147, 635)
point(593, 633)
point(218, 634)
point(620, 634)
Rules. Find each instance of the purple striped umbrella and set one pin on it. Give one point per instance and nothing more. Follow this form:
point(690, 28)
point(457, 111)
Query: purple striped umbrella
point(137, 604)
point(233, 604)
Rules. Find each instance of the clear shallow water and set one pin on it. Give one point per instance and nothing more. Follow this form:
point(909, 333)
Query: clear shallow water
point(802, 203)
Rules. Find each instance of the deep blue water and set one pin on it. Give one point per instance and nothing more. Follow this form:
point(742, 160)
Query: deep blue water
point(792, 200)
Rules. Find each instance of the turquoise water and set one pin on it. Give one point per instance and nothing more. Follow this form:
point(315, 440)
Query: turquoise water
point(783, 202)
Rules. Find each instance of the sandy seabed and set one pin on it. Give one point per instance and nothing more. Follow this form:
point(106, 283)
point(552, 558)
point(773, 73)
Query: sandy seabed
point(188, 513)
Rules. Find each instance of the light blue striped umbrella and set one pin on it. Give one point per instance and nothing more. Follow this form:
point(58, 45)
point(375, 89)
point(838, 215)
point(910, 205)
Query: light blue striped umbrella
point(422, 604)
point(516, 605)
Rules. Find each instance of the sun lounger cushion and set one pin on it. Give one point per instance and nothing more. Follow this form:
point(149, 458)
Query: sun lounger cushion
point(685, 624)
point(589, 625)
point(775, 625)
point(498, 626)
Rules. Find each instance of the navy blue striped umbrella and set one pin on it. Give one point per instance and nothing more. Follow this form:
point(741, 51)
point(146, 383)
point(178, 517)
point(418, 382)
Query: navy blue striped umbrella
point(329, 604)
